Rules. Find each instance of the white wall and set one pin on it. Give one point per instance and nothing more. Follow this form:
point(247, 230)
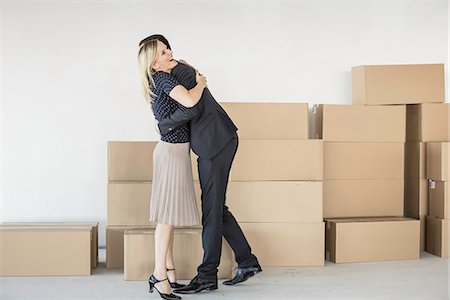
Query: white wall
point(69, 77)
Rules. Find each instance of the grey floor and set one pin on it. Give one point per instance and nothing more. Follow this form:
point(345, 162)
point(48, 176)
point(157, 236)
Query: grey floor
point(427, 278)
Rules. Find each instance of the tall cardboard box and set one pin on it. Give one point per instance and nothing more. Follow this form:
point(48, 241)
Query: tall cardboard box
point(438, 236)
point(130, 161)
point(45, 251)
point(139, 254)
point(416, 197)
point(438, 162)
point(398, 84)
point(286, 244)
point(429, 122)
point(372, 239)
point(439, 199)
point(277, 121)
point(357, 123)
point(423, 232)
point(344, 198)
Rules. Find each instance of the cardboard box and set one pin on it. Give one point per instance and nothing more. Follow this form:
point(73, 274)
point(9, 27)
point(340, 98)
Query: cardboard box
point(129, 203)
point(423, 231)
point(438, 236)
point(372, 239)
point(357, 123)
point(130, 161)
point(114, 244)
point(362, 198)
point(286, 244)
point(416, 197)
point(45, 251)
point(276, 201)
point(276, 160)
point(438, 163)
point(92, 225)
point(363, 160)
point(269, 120)
point(428, 122)
point(415, 160)
point(439, 199)
point(188, 254)
point(398, 84)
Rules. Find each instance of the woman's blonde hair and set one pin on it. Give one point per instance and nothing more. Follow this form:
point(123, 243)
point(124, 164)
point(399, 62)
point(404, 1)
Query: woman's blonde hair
point(146, 59)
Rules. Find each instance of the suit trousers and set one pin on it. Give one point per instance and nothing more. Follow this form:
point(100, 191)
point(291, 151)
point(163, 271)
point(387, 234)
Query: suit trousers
point(217, 220)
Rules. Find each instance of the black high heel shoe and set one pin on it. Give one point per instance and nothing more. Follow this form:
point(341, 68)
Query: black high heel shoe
point(175, 285)
point(152, 281)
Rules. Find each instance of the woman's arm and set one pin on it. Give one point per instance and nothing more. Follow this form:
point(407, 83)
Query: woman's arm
point(188, 98)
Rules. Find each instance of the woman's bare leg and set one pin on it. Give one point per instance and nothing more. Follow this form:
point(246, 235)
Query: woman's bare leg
point(170, 264)
point(162, 240)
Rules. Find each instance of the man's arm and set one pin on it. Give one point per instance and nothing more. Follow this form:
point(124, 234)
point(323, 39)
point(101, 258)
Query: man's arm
point(179, 117)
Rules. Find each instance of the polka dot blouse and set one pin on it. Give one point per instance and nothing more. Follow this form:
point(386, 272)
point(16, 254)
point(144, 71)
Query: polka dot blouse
point(163, 106)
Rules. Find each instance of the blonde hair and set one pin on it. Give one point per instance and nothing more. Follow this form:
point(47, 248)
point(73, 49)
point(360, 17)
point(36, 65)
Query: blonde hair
point(146, 59)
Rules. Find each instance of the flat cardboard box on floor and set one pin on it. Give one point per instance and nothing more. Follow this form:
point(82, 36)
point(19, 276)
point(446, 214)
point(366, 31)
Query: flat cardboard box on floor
point(188, 254)
point(416, 197)
point(130, 161)
point(45, 251)
point(372, 239)
point(286, 244)
point(358, 123)
point(415, 160)
point(363, 160)
point(438, 161)
point(439, 199)
point(276, 160)
point(428, 122)
point(269, 120)
point(438, 236)
point(362, 198)
point(275, 201)
point(92, 225)
point(398, 84)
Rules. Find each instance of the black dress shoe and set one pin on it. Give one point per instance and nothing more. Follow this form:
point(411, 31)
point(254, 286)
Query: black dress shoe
point(152, 281)
point(196, 287)
point(243, 274)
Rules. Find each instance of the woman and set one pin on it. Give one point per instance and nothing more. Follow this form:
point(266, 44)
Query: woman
point(173, 199)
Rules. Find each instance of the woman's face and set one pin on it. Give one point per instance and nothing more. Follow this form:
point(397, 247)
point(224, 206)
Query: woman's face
point(164, 59)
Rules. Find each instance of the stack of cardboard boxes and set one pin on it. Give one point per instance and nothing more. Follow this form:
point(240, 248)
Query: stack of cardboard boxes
point(275, 184)
point(129, 190)
point(428, 122)
point(376, 163)
point(438, 173)
point(363, 183)
point(129, 233)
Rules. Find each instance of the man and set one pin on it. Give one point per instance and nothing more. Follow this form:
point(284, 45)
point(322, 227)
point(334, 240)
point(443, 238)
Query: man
point(215, 141)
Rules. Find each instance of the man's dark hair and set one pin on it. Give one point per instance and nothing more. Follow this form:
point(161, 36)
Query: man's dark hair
point(158, 37)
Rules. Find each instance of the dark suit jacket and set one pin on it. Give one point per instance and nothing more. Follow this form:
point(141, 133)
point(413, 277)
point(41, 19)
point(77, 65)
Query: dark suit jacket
point(211, 127)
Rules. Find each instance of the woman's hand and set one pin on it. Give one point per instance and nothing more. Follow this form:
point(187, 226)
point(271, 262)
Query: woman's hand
point(200, 79)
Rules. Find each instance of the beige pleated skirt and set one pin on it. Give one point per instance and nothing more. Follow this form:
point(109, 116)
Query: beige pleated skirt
point(173, 198)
